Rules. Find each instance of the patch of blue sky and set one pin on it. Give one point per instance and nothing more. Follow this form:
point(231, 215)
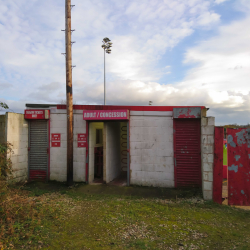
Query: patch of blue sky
point(175, 57)
point(229, 11)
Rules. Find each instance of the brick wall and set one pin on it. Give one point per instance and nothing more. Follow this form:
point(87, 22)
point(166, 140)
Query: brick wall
point(207, 156)
point(17, 135)
point(151, 149)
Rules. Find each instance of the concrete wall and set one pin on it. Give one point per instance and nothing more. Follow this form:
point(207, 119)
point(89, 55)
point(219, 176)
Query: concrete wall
point(92, 143)
point(3, 129)
point(207, 156)
point(79, 153)
point(151, 149)
point(112, 160)
point(58, 155)
point(17, 135)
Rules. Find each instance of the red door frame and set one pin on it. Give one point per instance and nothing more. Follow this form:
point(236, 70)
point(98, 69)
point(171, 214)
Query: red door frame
point(87, 153)
point(218, 164)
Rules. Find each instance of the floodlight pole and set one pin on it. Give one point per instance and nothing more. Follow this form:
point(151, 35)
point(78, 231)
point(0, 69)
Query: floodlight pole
point(106, 48)
point(104, 80)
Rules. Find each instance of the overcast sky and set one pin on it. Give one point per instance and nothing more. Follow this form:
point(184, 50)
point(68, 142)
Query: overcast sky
point(182, 52)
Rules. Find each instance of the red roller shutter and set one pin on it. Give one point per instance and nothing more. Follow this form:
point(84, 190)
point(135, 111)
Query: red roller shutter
point(38, 150)
point(187, 133)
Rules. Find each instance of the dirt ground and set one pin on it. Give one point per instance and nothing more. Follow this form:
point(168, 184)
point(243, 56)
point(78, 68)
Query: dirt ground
point(131, 191)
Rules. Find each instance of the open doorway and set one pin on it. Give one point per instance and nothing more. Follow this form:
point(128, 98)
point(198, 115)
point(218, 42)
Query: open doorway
point(108, 152)
point(96, 152)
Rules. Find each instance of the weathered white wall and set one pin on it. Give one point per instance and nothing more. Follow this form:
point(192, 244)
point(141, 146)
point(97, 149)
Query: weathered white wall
point(151, 149)
point(17, 135)
point(112, 150)
point(207, 156)
point(79, 153)
point(92, 143)
point(58, 155)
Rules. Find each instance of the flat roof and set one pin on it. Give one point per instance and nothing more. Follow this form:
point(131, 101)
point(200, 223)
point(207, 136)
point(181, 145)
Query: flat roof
point(112, 107)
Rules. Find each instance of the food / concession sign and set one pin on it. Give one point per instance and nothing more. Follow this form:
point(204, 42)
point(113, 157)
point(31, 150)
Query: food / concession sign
point(36, 114)
point(121, 114)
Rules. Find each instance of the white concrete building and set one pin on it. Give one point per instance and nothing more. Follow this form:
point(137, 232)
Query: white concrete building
point(158, 146)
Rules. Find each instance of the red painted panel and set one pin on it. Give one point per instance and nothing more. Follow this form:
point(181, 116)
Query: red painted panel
point(55, 137)
point(37, 175)
point(87, 155)
point(121, 114)
point(187, 152)
point(218, 164)
point(133, 108)
point(55, 144)
point(49, 154)
point(238, 167)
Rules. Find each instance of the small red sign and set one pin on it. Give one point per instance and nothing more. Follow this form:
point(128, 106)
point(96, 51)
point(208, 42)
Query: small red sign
point(36, 114)
point(82, 137)
point(56, 144)
point(82, 144)
point(55, 137)
point(121, 114)
point(82, 140)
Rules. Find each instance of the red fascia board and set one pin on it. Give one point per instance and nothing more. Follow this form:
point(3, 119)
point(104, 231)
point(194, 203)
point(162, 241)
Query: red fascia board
point(132, 108)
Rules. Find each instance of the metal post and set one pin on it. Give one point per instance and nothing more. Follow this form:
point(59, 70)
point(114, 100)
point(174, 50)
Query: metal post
point(104, 81)
point(69, 92)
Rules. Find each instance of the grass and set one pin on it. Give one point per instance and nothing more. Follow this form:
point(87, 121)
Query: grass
point(81, 218)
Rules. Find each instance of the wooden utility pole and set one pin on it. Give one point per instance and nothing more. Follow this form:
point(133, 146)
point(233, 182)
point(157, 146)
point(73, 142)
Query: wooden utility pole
point(69, 94)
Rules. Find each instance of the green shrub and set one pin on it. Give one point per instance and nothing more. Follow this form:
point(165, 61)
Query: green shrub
point(5, 162)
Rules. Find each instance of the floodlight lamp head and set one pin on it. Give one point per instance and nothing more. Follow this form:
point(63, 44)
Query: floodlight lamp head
point(106, 39)
point(103, 46)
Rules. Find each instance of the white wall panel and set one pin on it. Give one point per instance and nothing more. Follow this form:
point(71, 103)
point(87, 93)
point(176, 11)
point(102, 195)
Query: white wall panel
point(58, 155)
point(151, 150)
